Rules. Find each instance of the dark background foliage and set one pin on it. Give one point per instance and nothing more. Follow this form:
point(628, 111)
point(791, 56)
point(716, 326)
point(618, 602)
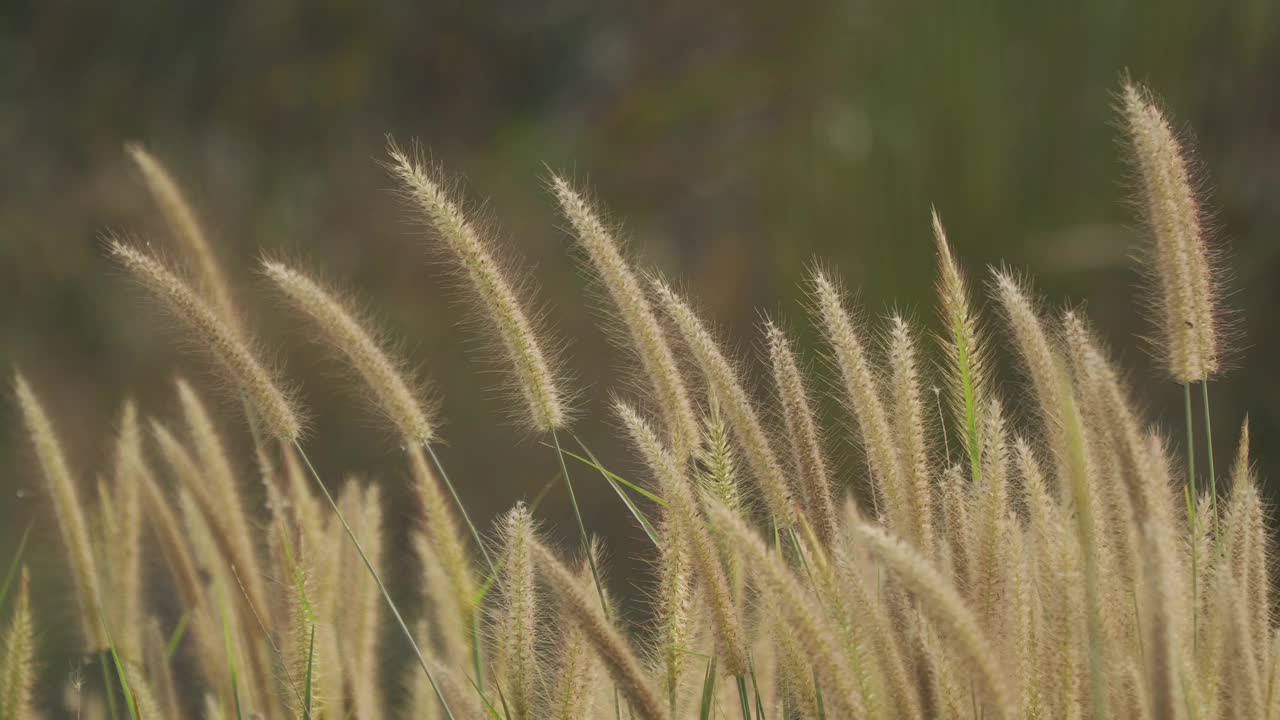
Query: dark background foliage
point(738, 140)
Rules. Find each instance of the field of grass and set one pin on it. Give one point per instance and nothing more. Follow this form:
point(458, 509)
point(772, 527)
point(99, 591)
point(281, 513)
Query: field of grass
point(1028, 549)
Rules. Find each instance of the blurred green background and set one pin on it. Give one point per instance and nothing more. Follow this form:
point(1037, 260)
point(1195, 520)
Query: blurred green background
point(738, 140)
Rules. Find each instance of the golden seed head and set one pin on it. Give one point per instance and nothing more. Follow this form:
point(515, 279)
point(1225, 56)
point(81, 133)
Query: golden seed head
point(211, 333)
point(644, 334)
point(535, 368)
point(183, 223)
point(340, 326)
point(1186, 293)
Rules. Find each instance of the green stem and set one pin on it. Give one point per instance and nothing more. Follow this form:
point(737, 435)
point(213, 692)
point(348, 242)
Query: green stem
point(582, 528)
point(1213, 478)
point(475, 534)
point(422, 662)
point(586, 546)
point(477, 665)
point(1192, 502)
point(742, 697)
point(107, 684)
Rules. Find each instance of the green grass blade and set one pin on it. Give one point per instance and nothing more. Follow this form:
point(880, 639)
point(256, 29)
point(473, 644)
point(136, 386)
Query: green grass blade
point(593, 463)
point(12, 572)
point(708, 690)
point(231, 657)
point(614, 481)
point(107, 685)
point(972, 436)
point(506, 711)
point(755, 688)
point(175, 638)
point(311, 656)
point(582, 527)
point(1213, 476)
point(742, 697)
point(120, 673)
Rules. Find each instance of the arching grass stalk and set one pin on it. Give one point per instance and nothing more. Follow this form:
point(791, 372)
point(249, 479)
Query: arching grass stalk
point(395, 611)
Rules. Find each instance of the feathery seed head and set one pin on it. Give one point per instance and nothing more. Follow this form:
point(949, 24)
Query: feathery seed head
point(392, 387)
point(965, 345)
point(183, 223)
point(716, 469)
point(72, 525)
point(584, 608)
point(517, 618)
point(1039, 355)
point(738, 410)
point(17, 671)
point(861, 394)
point(812, 627)
point(125, 550)
point(259, 387)
point(1186, 296)
point(941, 602)
point(911, 429)
point(576, 675)
point(645, 334)
point(690, 530)
point(535, 367)
point(808, 458)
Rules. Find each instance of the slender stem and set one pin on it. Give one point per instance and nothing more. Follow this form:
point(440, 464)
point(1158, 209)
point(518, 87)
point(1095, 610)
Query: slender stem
point(475, 534)
point(1191, 453)
point(742, 697)
point(582, 528)
point(484, 552)
point(265, 633)
point(475, 648)
point(586, 546)
point(383, 588)
point(1192, 502)
point(106, 683)
point(1213, 478)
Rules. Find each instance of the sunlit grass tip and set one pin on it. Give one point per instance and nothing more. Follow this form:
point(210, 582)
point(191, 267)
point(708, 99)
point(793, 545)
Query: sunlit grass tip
point(530, 351)
point(273, 403)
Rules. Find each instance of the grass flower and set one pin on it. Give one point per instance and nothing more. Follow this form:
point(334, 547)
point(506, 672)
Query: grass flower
point(546, 403)
point(67, 505)
point(211, 333)
point(341, 327)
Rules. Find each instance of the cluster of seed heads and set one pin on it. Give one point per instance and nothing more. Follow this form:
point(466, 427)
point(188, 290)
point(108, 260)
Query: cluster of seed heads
point(971, 563)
